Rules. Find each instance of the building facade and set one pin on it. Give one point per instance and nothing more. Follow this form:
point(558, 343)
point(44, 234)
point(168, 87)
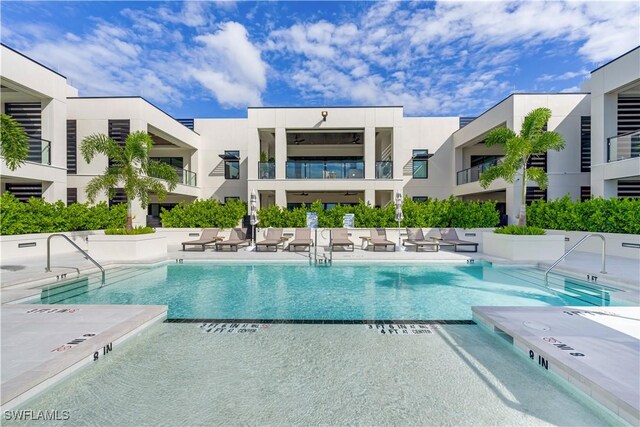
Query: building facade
point(291, 156)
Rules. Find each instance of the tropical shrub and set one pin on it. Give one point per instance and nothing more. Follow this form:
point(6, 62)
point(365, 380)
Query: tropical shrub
point(519, 230)
point(432, 213)
point(39, 216)
point(129, 232)
point(597, 215)
point(204, 213)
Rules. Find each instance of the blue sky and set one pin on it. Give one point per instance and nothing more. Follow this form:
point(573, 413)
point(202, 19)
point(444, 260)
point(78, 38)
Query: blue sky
point(213, 59)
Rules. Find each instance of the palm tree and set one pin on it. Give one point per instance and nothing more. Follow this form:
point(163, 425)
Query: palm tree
point(533, 140)
point(14, 142)
point(130, 168)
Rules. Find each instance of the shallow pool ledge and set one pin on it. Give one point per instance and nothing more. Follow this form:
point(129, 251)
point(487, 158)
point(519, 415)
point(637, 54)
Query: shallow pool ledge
point(597, 350)
point(42, 344)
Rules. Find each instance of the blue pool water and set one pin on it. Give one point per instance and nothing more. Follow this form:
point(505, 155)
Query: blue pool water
point(339, 292)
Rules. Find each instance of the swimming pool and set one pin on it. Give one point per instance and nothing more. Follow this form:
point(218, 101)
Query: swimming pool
point(347, 292)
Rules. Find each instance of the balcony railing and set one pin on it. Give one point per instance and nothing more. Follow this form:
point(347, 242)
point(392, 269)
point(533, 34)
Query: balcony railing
point(325, 169)
point(39, 151)
point(472, 174)
point(266, 170)
point(187, 177)
point(624, 146)
point(384, 170)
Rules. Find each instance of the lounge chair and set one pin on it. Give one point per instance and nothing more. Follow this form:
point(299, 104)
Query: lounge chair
point(238, 237)
point(450, 237)
point(340, 239)
point(415, 237)
point(272, 240)
point(302, 239)
point(207, 237)
point(379, 239)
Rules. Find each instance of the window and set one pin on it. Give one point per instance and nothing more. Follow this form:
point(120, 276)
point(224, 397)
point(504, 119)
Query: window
point(72, 148)
point(585, 143)
point(420, 198)
point(72, 196)
point(420, 164)
point(232, 164)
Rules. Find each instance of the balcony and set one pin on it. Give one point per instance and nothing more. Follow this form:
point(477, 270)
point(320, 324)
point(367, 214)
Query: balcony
point(384, 170)
point(472, 174)
point(325, 169)
point(625, 146)
point(39, 151)
point(266, 170)
point(187, 177)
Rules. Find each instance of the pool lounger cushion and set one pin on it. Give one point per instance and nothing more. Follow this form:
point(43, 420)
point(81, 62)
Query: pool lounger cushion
point(302, 240)
point(379, 239)
point(207, 237)
point(236, 238)
point(272, 240)
point(450, 237)
point(340, 238)
point(415, 237)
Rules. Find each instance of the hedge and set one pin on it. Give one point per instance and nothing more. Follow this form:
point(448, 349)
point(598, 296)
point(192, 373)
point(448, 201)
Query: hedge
point(432, 213)
point(39, 216)
point(204, 213)
point(596, 215)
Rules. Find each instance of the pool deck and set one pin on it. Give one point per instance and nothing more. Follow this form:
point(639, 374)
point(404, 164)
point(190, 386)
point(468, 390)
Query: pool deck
point(42, 344)
point(597, 350)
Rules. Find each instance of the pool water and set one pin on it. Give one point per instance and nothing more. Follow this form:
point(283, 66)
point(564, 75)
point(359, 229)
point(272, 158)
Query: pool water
point(339, 292)
point(177, 374)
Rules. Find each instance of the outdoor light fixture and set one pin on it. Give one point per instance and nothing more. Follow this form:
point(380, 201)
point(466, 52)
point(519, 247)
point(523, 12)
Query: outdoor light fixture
point(324, 115)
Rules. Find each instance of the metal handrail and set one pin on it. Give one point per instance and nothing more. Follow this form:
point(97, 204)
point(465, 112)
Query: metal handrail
point(48, 268)
point(604, 250)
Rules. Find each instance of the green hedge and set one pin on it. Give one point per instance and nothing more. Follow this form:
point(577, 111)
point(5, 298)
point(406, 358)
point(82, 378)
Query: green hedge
point(38, 216)
point(133, 232)
point(204, 213)
point(432, 213)
point(596, 215)
point(520, 231)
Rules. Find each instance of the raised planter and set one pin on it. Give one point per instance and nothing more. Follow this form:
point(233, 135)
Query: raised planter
point(120, 248)
point(547, 247)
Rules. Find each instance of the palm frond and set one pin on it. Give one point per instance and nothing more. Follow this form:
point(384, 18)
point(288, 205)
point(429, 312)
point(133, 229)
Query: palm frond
point(537, 175)
point(534, 122)
point(102, 183)
point(499, 136)
point(163, 171)
point(548, 141)
point(138, 146)
point(99, 143)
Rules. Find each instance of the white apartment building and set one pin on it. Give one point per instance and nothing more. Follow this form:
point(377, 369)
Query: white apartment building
point(296, 155)
point(615, 112)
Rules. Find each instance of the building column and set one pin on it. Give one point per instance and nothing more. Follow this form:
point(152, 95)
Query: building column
point(281, 198)
point(370, 154)
point(370, 196)
point(281, 155)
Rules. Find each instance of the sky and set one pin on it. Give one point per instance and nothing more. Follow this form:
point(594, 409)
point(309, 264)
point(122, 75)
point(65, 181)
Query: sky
point(215, 59)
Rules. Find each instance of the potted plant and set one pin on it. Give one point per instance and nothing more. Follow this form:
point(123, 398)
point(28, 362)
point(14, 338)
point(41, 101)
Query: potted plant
point(521, 242)
point(139, 176)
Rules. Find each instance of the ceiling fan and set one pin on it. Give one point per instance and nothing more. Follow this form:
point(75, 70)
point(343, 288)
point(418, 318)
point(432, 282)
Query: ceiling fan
point(296, 140)
point(356, 139)
point(302, 194)
point(350, 194)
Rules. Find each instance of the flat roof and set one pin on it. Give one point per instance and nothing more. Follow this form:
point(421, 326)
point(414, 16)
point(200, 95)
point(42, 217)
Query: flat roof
point(327, 106)
point(133, 97)
point(615, 59)
point(522, 93)
point(32, 60)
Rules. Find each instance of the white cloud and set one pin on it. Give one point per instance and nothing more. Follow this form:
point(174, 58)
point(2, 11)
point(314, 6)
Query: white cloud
point(230, 66)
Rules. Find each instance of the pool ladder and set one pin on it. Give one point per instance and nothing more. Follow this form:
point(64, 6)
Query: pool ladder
point(604, 250)
point(82, 251)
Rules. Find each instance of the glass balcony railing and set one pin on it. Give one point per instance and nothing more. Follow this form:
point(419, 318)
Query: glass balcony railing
point(325, 169)
point(384, 170)
point(187, 177)
point(472, 174)
point(39, 151)
point(266, 170)
point(624, 146)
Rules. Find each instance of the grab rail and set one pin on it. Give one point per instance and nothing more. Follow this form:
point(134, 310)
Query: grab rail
point(604, 250)
point(48, 268)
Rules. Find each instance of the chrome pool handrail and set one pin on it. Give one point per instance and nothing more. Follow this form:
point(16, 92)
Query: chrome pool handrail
point(87, 256)
point(604, 250)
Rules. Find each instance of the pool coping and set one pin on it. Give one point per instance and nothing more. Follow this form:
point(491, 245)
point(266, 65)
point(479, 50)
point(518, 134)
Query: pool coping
point(523, 327)
point(122, 323)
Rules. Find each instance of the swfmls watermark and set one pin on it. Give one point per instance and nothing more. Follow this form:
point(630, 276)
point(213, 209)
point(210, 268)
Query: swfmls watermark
point(39, 415)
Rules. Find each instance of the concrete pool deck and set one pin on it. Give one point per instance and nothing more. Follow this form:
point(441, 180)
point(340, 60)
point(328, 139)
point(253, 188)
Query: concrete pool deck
point(596, 349)
point(41, 344)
